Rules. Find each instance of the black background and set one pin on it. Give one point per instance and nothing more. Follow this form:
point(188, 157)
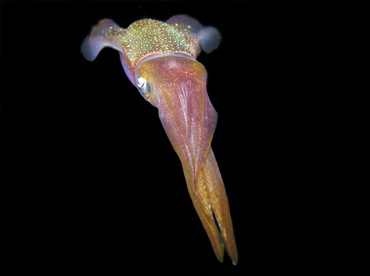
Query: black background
point(91, 185)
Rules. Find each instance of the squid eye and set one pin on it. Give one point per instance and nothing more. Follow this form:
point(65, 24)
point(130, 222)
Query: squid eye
point(144, 86)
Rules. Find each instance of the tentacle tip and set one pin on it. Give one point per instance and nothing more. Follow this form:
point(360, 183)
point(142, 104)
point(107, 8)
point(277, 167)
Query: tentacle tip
point(234, 259)
point(220, 255)
point(221, 260)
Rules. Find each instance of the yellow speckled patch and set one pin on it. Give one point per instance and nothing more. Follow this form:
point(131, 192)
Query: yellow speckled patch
point(147, 36)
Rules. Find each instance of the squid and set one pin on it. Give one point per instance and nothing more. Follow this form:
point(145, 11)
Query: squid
point(159, 58)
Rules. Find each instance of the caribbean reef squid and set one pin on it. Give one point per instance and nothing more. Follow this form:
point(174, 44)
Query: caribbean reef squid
point(159, 58)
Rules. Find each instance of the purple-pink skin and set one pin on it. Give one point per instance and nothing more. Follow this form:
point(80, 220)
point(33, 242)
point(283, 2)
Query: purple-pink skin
point(159, 58)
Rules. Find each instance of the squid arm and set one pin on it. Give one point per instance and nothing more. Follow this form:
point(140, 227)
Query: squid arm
point(159, 58)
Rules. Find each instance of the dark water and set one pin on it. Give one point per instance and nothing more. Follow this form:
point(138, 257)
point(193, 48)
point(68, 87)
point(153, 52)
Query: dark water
point(91, 185)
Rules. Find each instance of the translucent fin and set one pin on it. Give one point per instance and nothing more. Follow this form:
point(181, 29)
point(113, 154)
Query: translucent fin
point(105, 34)
point(208, 37)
